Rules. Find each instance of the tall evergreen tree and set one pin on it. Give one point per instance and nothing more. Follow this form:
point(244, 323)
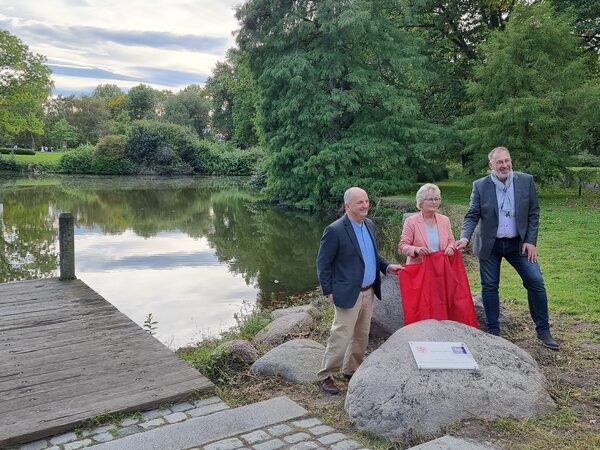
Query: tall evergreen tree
point(337, 81)
point(523, 92)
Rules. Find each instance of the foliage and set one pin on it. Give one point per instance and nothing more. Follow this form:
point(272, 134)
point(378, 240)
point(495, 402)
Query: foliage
point(162, 148)
point(78, 161)
point(523, 93)
point(587, 23)
point(223, 159)
point(112, 145)
point(339, 106)
point(141, 101)
point(24, 86)
point(63, 134)
point(17, 151)
point(150, 324)
point(189, 108)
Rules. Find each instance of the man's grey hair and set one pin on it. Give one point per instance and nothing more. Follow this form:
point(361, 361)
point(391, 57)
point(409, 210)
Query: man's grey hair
point(348, 195)
point(496, 150)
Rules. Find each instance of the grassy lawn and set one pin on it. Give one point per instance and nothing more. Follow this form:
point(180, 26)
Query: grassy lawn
point(39, 157)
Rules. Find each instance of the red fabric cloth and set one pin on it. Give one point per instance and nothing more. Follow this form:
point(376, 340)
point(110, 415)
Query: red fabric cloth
point(437, 288)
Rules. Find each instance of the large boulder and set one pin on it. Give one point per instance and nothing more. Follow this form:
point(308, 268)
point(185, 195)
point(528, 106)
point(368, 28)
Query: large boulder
point(238, 351)
point(480, 312)
point(297, 361)
point(288, 325)
point(388, 315)
point(389, 396)
point(311, 309)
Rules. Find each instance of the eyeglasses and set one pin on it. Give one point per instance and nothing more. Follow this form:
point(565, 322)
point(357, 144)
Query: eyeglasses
point(433, 199)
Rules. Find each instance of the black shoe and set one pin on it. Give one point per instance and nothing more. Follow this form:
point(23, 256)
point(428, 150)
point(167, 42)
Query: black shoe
point(494, 331)
point(328, 386)
point(547, 340)
point(347, 377)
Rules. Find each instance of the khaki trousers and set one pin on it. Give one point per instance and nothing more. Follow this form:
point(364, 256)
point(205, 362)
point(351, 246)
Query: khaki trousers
point(347, 343)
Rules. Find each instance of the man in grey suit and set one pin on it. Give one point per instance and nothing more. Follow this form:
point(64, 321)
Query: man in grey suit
point(503, 216)
point(348, 266)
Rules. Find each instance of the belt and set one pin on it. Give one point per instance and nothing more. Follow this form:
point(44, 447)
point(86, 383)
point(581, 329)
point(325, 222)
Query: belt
point(507, 238)
point(366, 288)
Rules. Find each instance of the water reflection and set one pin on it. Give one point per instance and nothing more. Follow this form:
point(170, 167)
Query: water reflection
point(188, 250)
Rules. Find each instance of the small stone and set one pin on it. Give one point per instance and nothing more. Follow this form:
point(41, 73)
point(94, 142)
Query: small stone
point(207, 409)
point(175, 417)
point(256, 436)
point(153, 414)
point(307, 423)
point(321, 429)
point(331, 438)
point(279, 430)
point(132, 429)
point(103, 437)
point(346, 445)
point(37, 445)
point(207, 401)
point(304, 446)
point(129, 421)
point(270, 445)
point(78, 444)
point(297, 437)
point(152, 423)
point(99, 430)
point(63, 438)
point(181, 407)
point(225, 444)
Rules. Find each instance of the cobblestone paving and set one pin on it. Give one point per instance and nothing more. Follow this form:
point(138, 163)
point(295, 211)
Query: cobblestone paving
point(299, 434)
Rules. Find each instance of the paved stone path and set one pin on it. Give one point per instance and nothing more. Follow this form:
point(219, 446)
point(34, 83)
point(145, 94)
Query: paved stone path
point(208, 424)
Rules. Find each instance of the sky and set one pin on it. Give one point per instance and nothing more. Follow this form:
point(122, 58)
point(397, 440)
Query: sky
point(166, 44)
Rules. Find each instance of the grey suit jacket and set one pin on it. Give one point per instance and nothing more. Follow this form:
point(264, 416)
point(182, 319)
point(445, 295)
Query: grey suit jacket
point(340, 264)
point(482, 217)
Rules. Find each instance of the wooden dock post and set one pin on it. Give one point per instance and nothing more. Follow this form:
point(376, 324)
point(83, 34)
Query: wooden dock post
point(66, 245)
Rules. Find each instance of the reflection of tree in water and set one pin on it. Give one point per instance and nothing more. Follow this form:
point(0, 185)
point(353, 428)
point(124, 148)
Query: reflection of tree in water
point(272, 249)
point(27, 234)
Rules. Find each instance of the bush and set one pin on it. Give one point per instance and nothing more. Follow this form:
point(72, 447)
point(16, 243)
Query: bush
point(80, 160)
point(224, 159)
point(112, 145)
point(162, 148)
point(17, 151)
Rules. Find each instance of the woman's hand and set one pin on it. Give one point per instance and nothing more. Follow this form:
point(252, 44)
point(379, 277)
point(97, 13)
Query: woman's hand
point(449, 251)
point(422, 251)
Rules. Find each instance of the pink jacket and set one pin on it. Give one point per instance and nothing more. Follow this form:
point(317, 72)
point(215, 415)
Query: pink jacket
point(414, 235)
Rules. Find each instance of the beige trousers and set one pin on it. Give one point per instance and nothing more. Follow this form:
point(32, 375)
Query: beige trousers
point(347, 343)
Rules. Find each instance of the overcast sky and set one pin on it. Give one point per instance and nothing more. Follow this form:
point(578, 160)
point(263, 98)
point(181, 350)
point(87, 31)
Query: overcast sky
point(167, 44)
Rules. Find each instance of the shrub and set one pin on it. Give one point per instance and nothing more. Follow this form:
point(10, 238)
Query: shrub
point(17, 151)
point(80, 160)
point(224, 159)
point(112, 145)
point(163, 148)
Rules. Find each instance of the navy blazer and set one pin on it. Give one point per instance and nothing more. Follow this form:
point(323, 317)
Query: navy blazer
point(340, 265)
point(482, 217)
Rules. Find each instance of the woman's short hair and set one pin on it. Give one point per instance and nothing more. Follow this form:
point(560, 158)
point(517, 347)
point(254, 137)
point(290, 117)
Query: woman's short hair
point(424, 191)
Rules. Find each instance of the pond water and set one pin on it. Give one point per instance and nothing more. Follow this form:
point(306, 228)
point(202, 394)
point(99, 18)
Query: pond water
point(190, 251)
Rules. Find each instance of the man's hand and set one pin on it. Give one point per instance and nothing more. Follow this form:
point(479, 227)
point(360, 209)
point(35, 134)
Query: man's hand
point(531, 251)
point(461, 244)
point(392, 269)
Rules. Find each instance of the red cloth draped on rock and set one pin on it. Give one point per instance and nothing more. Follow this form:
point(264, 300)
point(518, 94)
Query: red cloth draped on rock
point(437, 288)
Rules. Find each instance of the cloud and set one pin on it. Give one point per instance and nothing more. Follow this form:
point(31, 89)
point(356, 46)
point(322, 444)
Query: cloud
point(164, 44)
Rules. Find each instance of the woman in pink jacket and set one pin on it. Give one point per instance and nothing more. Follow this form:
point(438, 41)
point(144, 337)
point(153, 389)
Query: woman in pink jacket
point(427, 231)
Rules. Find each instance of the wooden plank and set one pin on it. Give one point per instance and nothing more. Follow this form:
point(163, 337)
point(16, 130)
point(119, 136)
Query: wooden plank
point(67, 355)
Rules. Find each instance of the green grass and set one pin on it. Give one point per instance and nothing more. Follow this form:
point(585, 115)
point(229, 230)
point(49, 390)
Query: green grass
point(39, 157)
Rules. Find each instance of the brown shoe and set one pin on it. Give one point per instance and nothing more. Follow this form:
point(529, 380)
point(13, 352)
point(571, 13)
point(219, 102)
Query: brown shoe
point(328, 386)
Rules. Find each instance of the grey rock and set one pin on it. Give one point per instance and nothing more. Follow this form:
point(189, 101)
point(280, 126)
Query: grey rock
point(239, 351)
point(225, 444)
point(388, 315)
point(297, 361)
point(256, 436)
point(452, 443)
point(103, 437)
point(389, 396)
point(270, 445)
point(297, 437)
point(346, 445)
point(332, 438)
point(307, 423)
point(321, 429)
point(77, 444)
point(311, 309)
point(181, 407)
point(63, 438)
point(175, 417)
point(279, 430)
point(283, 327)
point(480, 312)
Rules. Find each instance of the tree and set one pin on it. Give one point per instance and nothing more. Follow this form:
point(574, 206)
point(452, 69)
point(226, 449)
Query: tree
point(113, 96)
point(524, 91)
point(141, 102)
point(63, 134)
point(587, 21)
point(24, 86)
point(339, 108)
point(189, 107)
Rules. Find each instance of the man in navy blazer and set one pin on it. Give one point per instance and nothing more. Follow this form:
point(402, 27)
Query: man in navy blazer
point(348, 266)
point(503, 218)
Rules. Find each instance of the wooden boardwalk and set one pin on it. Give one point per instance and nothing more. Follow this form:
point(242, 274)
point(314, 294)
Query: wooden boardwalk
point(66, 355)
